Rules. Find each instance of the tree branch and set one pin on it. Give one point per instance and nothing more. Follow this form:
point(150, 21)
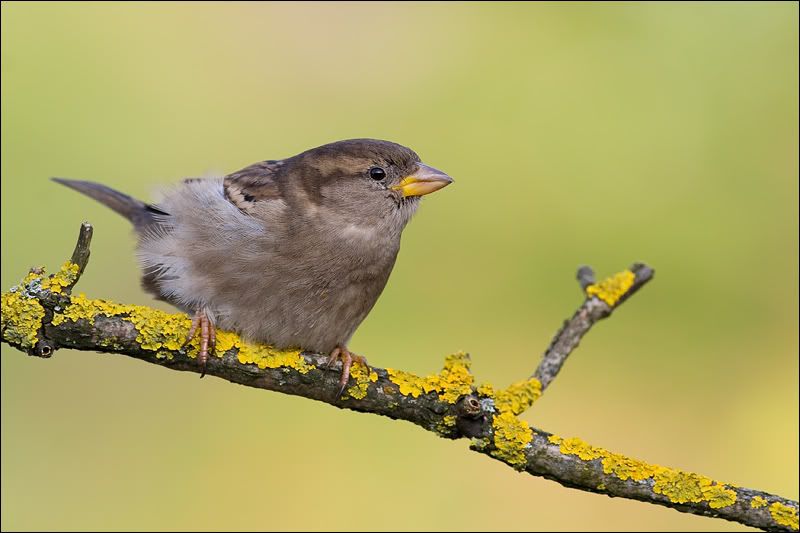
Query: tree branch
point(601, 300)
point(41, 315)
point(80, 256)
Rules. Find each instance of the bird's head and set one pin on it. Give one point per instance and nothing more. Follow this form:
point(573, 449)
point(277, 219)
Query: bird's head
point(366, 181)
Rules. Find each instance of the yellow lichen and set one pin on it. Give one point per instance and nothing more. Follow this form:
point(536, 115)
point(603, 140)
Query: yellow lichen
point(408, 383)
point(65, 277)
point(21, 319)
point(757, 502)
point(445, 427)
point(611, 289)
point(784, 515)
point(512, 435)
point(454, 381)
point(519, 396)
point(33, 275)
point(82, 308)
point(511, 438)
point(363, 378)
point(226, 340)
point(269, 357)
point(627, 468)
point(158, 331)
point(718, 496)
point(683, 487)
point(676, 485)
point(575, 446)
point(485, 389)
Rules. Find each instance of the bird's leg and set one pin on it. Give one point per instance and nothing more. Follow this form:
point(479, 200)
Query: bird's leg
point(202, 357)
point(348, 358)
point(212, 340)
point(208, 337)
point(193, 329)
point(333, 357)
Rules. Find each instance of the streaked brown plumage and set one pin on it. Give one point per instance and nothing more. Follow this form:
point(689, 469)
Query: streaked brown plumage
point(291, 253)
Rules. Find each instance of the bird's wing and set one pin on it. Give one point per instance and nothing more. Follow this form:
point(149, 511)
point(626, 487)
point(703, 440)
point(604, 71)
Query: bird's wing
point(253, 184)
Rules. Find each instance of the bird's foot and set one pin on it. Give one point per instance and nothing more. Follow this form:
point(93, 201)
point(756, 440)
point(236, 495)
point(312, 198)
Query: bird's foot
point(348, 358)
point(208, 337)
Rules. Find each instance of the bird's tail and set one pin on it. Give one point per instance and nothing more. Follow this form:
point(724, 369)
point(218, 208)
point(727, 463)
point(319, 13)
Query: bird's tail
point(139, 213)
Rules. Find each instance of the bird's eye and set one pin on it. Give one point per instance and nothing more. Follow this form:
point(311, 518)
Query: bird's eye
point(377, 173)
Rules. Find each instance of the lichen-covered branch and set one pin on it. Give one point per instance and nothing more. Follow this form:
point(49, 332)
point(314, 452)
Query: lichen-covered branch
point(601, 299)
point(576, 464)
point(41, 315)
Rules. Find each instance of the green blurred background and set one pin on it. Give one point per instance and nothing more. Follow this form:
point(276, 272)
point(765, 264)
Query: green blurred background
point(599, 134)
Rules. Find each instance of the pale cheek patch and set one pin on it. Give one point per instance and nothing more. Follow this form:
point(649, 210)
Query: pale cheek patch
point(356, 231)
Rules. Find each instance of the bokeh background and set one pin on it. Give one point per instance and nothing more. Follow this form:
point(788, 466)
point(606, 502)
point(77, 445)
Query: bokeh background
point(599, 134)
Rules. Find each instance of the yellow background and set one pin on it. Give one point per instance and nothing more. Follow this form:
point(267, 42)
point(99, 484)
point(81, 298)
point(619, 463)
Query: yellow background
point(599, 134)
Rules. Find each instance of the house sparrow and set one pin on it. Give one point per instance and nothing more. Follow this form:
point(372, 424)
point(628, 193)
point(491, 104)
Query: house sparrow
point(293, 253)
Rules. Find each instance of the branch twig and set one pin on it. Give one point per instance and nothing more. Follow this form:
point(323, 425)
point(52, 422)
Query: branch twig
point(601, 300)
point(80, 256)
point(40, 315)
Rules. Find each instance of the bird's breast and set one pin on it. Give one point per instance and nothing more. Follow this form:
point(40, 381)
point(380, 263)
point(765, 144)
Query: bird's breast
point(282, 280)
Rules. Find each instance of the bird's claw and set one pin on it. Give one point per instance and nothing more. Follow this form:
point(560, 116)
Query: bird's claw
point(208, 338)
point(348, 358)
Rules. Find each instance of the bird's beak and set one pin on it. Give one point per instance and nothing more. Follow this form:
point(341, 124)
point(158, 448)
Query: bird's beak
point(424, 181)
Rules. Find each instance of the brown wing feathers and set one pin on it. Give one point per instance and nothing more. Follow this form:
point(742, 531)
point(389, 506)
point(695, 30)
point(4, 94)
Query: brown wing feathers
point(253, 184)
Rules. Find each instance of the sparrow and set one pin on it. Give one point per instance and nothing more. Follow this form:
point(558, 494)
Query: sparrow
point(292, 252)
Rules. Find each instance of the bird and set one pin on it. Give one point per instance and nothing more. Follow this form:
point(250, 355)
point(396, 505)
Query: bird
point(291, 253)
